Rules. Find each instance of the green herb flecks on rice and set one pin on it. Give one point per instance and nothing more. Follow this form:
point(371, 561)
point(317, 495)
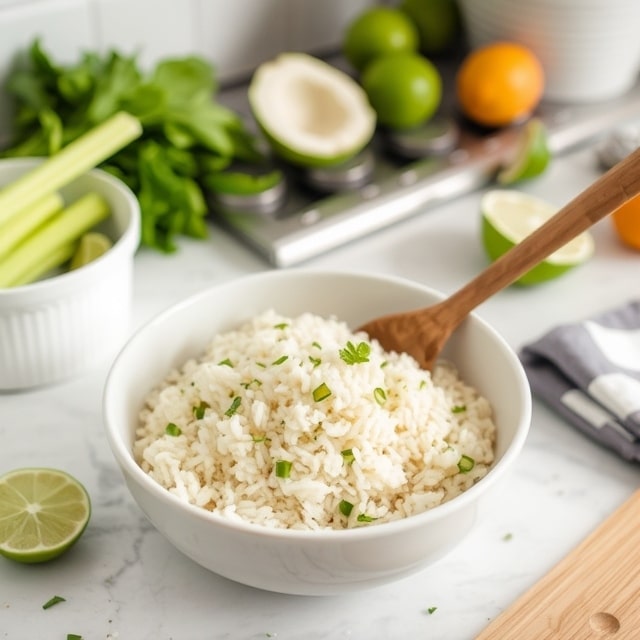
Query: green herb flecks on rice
point(372, 437)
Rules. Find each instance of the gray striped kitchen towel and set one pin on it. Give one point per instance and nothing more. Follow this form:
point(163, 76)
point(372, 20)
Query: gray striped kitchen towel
point(589, 372)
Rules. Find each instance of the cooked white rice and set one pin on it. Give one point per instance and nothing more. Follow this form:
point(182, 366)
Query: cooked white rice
point(388, 440)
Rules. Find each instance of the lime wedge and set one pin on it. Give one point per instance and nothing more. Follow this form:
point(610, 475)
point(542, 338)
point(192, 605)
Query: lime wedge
point(532, 155)
point(91, 246)
point(509, 216)
point(43, 512)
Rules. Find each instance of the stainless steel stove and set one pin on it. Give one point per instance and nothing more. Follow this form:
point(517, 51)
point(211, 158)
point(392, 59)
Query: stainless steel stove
point(314, 212)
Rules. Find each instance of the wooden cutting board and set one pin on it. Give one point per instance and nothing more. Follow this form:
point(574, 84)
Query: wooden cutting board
point(592, 594)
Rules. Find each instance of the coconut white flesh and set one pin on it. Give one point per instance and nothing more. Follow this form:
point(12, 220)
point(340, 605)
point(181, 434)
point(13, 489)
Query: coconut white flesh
point(311, 107)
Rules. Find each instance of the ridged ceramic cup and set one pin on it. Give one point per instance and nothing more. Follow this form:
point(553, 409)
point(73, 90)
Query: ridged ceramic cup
point(589, 49)
point(59, 327)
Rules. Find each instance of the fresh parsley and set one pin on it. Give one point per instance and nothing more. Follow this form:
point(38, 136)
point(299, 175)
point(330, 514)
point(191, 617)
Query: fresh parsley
point(189, 139)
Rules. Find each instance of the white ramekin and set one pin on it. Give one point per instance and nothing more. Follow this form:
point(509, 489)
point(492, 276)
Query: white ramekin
point(61, 326)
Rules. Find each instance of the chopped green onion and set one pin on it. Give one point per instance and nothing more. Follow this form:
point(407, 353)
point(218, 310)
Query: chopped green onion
point(348, 456)
point(315, 361)
point(379, 395)
point(321, 392)
point(73, 636)
point(255, 382)
point(260, 438)
point(280, 360)
point(198, 411)
point(383, 364)
point(345, 508)
point(262, 365)
point(431, 610)
point(353, 354)
point(234, 406)
point(226, 362)
point(53, 601)
point(423, 384)
point(317, 345)
point(282, 325)
point(363, 517)
point(283, 468)
point(466, 463)
point(172, 429)
point(507, 536)
point(459, 408)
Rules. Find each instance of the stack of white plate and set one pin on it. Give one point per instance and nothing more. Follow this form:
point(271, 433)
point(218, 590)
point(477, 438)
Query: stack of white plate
point(589, 49)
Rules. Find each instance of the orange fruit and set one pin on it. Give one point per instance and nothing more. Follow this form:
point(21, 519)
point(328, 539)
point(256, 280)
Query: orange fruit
point(499, 83)
point(626, 222)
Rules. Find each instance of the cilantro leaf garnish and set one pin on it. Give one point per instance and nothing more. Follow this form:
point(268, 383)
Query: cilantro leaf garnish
point(354, 354)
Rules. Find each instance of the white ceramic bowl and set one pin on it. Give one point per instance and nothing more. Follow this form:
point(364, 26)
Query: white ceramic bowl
point(589, 49)
point(59, 327)
point(307, 562)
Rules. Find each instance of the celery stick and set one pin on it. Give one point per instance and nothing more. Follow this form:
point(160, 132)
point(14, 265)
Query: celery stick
point(76, 158)
point(19, 227)
point(65, 227)
point(55, 259)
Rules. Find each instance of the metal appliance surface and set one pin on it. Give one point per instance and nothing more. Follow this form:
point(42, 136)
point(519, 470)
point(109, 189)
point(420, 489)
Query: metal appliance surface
point(312, 219)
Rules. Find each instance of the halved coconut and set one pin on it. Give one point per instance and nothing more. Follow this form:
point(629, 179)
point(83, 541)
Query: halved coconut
point(312, 114)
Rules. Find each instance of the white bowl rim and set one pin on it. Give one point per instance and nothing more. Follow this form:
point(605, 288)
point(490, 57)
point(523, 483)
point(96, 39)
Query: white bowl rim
point(127, 242)
point(127, 462)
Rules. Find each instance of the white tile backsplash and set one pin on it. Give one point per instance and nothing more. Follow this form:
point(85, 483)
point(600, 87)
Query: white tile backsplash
point(235, 35)
point(154, 29)
point(319, 26)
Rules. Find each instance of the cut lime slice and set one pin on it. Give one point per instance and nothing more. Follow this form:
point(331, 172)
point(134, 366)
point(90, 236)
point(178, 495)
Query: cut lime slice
point(510, 216)
point(43, 512)
point(91, 246)
point(532, 155)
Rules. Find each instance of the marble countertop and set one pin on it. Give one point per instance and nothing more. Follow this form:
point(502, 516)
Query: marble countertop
point(123, 580)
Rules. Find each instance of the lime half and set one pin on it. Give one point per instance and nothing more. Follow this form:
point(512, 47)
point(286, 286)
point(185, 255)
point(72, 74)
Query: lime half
point(91, 246)
point(532, 155)
point(509, 216)
point(43, 512)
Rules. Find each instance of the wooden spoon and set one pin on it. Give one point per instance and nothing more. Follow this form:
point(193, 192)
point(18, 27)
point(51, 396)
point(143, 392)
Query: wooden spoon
point(422, 333)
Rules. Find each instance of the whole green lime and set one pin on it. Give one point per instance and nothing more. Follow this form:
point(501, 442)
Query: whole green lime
point(377, 32)
point(438, 22)
point(405, 90)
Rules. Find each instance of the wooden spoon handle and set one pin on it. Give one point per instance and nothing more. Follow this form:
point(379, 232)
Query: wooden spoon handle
point(616, 186)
